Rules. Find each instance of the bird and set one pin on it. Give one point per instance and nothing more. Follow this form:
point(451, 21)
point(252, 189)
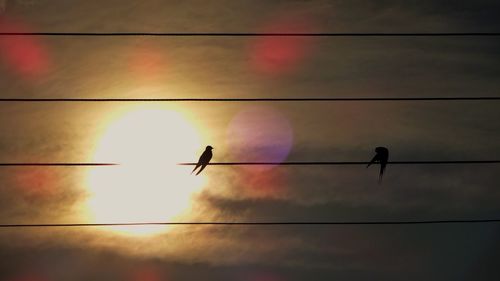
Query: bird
point(204, 160)
point(381, 156)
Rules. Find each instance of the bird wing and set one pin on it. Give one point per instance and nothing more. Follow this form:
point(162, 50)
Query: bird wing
point(374, 159)
point(204, 160)
point(205, 157)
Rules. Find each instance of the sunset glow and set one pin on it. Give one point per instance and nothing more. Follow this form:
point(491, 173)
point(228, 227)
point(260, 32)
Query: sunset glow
point(148, 185)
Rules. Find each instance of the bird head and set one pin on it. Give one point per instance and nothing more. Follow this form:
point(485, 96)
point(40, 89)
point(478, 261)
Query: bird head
point(209, 147)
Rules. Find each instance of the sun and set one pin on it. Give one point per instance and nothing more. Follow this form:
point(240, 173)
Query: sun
point(147, 186)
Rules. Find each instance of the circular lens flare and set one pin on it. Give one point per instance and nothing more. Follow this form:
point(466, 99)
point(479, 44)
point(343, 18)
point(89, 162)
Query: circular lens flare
point(24, 55)
point(260, 134)
point(277, 55)
point(147, 62)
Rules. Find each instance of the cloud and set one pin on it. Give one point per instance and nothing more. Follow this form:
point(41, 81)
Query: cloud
point(219, 67)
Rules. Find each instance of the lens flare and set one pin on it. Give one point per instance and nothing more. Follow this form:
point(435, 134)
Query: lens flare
point(147, 62)
point(25, 55)
point(260, 134)
point(147, 273)
point(37, 182)
point(277, 55)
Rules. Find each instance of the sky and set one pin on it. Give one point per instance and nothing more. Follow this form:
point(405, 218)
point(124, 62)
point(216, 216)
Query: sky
point(151, 137)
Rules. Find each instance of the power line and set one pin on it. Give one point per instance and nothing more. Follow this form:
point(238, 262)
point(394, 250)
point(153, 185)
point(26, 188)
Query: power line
point(345, 163)
point(303, 163)
point(254, 34)
point(317, 99)
point(56, 164)
point(420, 222)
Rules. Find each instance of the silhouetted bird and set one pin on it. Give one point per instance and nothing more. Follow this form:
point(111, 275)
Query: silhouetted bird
point(204, 159)
point(381, 156)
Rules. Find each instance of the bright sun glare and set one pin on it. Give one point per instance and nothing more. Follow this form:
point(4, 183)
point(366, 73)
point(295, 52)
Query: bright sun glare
point(148, 185)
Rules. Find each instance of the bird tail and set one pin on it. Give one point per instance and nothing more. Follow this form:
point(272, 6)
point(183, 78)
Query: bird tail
point(381, 174)
point(195, 167)
point(202, 168)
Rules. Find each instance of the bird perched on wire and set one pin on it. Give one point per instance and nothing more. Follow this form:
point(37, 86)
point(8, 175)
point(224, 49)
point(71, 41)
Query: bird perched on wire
point(381, 156)
point(204, 160)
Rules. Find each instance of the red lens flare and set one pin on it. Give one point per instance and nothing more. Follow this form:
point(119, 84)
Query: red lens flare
point(36, 182)
point(147, 61)
point(263, 184)
point(147, 274)
point(277, 55)
point(24, 55)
